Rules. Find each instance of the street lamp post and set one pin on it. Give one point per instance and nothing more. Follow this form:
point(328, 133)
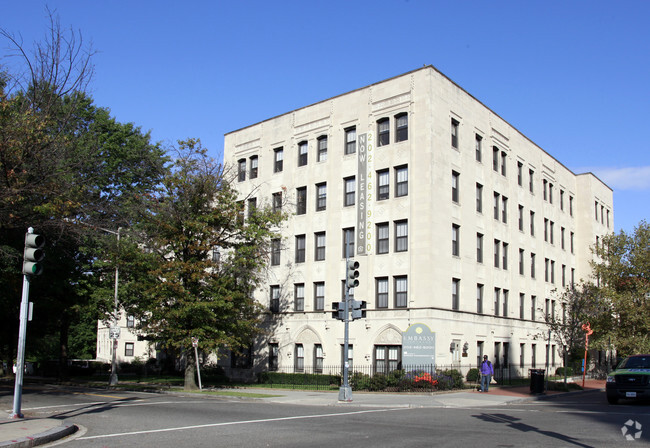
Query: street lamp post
point(115, 331)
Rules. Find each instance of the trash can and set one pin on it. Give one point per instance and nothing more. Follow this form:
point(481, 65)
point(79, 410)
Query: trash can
point(536, 381)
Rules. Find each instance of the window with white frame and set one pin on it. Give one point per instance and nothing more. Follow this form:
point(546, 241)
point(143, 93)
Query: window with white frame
point(319, 242)
point(479, 298)
point(478, 145)
point(382, 238)
point(381, 291)
point(455, 181)
point(319, 296)
point(401, 291)
point(302, 153)
point(454, 133)
point(383, 187)
point(455, 240)
point(299, 297)
point(299, 358)
point(278, 160)
point(129, 348)
point(401, 181)
point(348, 238)
point(275, 252)
point(401, 235)
point(455, 294)
point(383, 132)
point(275, 299)
point(301, 200)
point(241, 172)
point(300, 248)
point(321, 156)
point(350, 191)
point(401, 127)
point(318, 358)
point(321, 196)
point(254, 165)
point(351, 140)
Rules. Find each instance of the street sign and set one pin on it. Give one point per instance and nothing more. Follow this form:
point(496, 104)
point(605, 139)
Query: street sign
point(195, 342)
point(114, 332)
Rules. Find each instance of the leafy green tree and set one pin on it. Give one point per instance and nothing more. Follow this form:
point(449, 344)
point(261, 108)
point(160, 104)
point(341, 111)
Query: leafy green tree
point(622, 268)
point(580, 305)
point(63, 161)
point(183, 288)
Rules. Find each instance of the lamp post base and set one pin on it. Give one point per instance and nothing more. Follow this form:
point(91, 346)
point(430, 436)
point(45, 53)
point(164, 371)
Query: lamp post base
point(345, 393)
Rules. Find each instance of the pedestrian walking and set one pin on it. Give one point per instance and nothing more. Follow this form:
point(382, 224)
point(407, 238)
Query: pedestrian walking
point(486, 371)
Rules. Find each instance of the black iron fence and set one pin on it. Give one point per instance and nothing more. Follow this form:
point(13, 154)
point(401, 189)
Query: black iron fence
point(409, 378)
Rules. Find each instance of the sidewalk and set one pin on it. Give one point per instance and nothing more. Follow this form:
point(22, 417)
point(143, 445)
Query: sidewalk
point(30, 432)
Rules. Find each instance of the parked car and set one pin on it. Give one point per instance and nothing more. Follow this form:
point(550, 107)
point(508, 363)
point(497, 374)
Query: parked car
point(630, 379)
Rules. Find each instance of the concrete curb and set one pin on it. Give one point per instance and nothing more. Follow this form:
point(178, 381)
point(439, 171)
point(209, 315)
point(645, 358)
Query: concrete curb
point(59, 432)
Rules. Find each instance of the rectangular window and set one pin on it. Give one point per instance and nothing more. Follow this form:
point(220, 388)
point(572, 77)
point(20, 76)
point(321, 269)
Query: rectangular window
point(478, 146)
point(348, 236)
point(497, 250)
point(130, 321)
point(301, 200)
point(383, 188)
point(382, 238)
point(318, 358)
point(401, 127)
point(300, 248)
point(401, 291)
point(551, 231)
point(520, 174)
point(350, 191)
point(302, 153)
point(254, 165)
point(504, 209)
point(381, 288)
point(532, 265)
point(521, 261)
point(532, 223)
point(562, 233)
point(455, 240)
point(533, 304)
point(299, 297)
point(531, 182)
point(401, 181)
point(506, 293)
point(550, 193)
point(504, 159)
point(479, 198)
point(383, 132)
point(497, 200)
point(455, 179)
point(274, 356)
point(570, 205)
point(455, 294)
point(321, 196)
point(277, 201)
point(321, 156)
point(479, 298)
point(129, 348)
point(546, 266)
point(351, 140)
point(571, 241)
point(299, 358)
point(241, 171)
point(546, 230)
point(387, 358)
point(563, 275)
point(454, 133)
point(561, 199)
point(278, 159)
point(497, 300)
point(495, 159)
point(252, 207)
point(275, 252)
point(479, 248)
point(274, 302)
point(319, 296)
point(401, 236)
point(504, 259)
point(319, 241)
point(522, 304)
point(521, 218)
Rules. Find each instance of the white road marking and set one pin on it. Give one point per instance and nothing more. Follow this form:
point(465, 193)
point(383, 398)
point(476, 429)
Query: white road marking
point(243, 422)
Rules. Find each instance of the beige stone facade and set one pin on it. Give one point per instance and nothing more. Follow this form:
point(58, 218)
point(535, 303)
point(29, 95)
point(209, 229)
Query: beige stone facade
point(470, 226)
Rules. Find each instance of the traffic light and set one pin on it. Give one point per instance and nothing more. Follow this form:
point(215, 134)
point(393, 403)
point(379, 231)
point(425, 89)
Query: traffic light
point(338, 310)
point(358, 309)
point(33, 254)
point(352, 274)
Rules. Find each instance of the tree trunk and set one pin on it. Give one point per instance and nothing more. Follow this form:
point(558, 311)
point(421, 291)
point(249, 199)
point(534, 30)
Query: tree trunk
point(64, 330)
point(190, 370)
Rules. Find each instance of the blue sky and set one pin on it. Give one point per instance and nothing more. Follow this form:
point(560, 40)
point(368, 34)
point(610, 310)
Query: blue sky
point(573, 76)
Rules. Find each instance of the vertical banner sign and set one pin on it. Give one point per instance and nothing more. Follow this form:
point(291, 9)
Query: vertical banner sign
point(365, 155)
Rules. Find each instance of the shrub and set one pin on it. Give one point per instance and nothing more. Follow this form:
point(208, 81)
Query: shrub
point(449, 379)
point(472, 375)
point(303, 379)
point(359, 381)
point(560, 371)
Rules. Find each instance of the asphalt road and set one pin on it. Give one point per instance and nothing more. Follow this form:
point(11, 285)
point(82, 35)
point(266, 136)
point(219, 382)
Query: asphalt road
point(125, 419)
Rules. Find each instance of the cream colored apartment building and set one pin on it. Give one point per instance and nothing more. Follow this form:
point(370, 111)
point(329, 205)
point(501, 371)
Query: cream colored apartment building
point(468, 227)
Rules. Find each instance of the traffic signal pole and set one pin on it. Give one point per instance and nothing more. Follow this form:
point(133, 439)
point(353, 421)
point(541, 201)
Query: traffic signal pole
point(31, 257)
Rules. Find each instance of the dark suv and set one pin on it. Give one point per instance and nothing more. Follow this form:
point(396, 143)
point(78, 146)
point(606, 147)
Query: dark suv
point(631, 379)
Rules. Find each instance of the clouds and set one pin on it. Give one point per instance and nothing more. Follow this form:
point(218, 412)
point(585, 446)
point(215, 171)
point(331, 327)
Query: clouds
point(636, 178)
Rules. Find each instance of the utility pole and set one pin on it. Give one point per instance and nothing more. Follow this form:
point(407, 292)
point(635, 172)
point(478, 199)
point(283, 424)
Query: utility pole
point(115, 331)
point(351, 274)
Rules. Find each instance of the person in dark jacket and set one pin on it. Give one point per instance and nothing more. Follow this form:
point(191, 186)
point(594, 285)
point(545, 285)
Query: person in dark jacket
point(486, 371)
